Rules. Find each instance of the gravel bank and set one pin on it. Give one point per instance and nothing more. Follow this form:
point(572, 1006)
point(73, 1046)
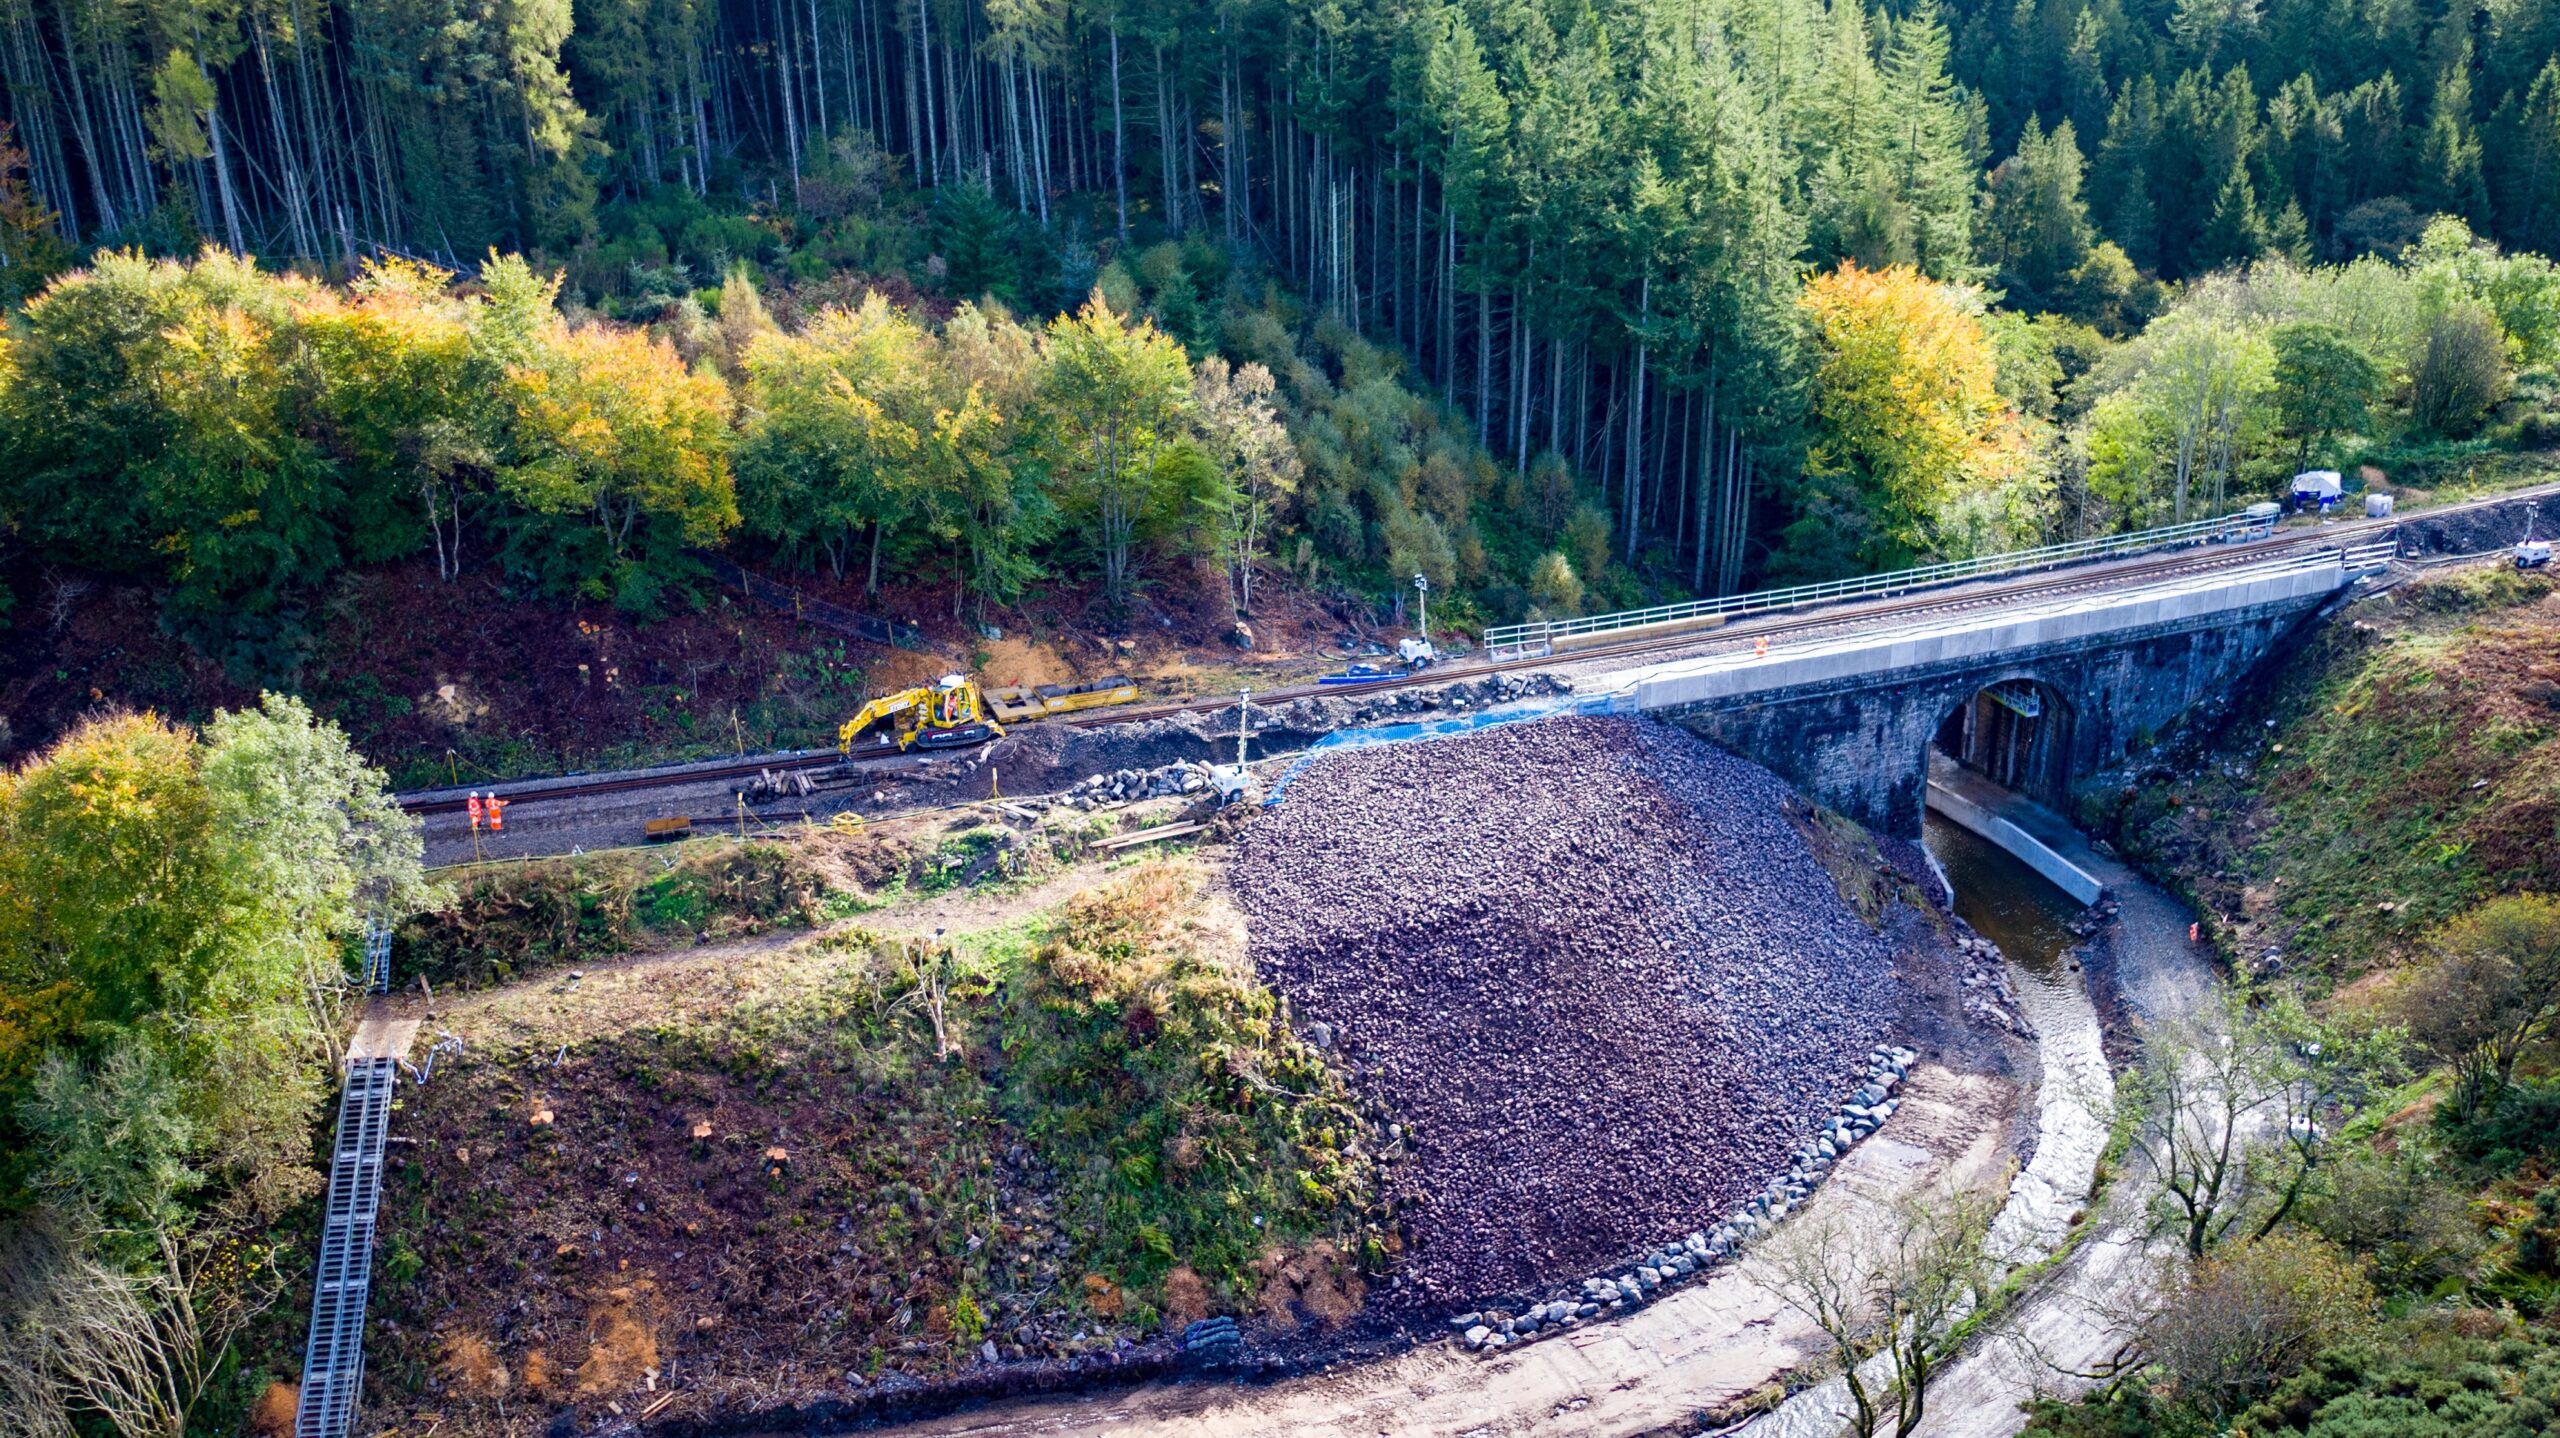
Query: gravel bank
point(1040, 758)
point(1594, 963)
point(2429, 534)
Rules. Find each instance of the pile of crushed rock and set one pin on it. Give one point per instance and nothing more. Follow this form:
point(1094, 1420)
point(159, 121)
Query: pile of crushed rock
point(1596, 968)
point(1667, 1266)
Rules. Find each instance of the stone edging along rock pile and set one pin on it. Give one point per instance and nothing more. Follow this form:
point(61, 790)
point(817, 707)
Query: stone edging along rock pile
point(1666, 1267)
point(1129, 785)
point(1988, 999)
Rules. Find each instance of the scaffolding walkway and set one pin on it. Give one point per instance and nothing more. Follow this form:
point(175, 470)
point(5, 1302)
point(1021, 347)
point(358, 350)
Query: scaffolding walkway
point(333, 1362)
point(333, 1358)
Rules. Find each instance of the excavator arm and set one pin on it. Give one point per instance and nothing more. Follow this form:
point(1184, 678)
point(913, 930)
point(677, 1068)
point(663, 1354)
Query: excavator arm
point(945, 715)
point(906, 701)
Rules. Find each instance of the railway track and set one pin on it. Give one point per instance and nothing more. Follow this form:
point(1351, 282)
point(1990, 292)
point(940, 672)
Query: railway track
point(1966, 596)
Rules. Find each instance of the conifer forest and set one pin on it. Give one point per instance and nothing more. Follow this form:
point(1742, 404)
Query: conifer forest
point(1560, 305)
point(894, 494)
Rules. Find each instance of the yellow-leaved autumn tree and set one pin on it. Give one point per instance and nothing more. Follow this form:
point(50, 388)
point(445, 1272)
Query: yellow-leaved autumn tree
point(612, 433)
point(1909, 423)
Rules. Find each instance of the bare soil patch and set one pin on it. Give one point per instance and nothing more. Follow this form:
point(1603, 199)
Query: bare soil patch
point(513, 682)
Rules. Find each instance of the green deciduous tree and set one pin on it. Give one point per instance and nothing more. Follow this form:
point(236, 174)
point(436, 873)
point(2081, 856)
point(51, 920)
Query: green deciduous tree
point(2230, 1107)
point(1116, 392)
point(151, 428)
point(1241, 431)
point(2460, 370)
point(620, 457)
point(2323, 384)
point(398, 406)
point(1886, 1297)
point(837, 418)
point(2197, 404)
point(2225, 1329)
point(1554, 588)
point(2487, 991)
point(1007, 509)
point(1907, 412)
point(176, 912)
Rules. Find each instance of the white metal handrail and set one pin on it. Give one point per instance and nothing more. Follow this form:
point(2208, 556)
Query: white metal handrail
point(2370, 556)
point(2351, 560)
point(1515, 641)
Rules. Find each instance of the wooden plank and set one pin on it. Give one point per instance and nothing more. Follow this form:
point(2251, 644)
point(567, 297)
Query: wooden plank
point(1148, 836)
point(380, 1036)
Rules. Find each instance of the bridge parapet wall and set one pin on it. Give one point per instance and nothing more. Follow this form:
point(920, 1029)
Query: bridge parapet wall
point(1850, 723)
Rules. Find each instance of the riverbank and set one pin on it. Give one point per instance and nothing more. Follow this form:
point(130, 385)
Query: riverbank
point(2075, 1320)
point(2074, 1105)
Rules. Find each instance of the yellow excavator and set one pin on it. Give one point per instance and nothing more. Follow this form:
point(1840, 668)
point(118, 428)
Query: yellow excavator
point(953, 710)
point(947, 713)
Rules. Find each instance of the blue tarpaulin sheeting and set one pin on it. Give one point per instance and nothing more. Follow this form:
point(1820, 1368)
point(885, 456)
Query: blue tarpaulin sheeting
point(1455, 724)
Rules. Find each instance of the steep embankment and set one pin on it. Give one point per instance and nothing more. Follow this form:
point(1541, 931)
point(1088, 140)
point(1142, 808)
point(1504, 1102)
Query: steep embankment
point(854, 1169)
point(2403, 765)
point(1607, 975)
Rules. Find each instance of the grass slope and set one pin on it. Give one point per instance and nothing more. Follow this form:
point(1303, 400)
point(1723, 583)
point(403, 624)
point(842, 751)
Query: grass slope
point(869, 1156)
point(2413, 768)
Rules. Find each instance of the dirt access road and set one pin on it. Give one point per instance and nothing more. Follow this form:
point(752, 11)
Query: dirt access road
point(1704, 1347)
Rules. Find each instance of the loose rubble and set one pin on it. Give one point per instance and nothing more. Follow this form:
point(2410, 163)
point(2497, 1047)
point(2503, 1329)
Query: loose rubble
point(2097, 916)
point(1043, 758)
point(1984, 978)
point(1595, 968)
point(1130, 785)
point(1668, 1265)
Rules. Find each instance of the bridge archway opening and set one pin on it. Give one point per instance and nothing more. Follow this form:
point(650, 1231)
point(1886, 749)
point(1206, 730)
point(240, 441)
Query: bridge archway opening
point(2015, 732)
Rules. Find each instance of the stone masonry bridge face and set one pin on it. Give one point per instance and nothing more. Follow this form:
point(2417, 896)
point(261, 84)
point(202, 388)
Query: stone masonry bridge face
point(2049, 691)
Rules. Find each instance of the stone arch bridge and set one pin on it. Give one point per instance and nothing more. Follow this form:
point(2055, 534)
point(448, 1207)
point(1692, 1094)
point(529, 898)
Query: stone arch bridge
point(2037, 694)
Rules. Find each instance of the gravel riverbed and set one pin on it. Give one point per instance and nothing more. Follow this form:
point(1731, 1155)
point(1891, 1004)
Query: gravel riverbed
point(1594, 964)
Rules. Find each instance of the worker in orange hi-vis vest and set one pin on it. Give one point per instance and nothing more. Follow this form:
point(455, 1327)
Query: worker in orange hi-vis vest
point(475, 809)
point(497, 813)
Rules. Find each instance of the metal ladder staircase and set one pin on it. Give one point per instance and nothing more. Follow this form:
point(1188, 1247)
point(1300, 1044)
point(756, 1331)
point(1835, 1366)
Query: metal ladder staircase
point(377, 957)
point(333, 1359)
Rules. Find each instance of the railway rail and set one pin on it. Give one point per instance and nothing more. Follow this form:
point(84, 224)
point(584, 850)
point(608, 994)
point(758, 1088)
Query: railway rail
point(2062, 577)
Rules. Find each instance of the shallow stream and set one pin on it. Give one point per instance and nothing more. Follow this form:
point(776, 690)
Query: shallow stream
point(2005, 901)
point(2019, 910)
